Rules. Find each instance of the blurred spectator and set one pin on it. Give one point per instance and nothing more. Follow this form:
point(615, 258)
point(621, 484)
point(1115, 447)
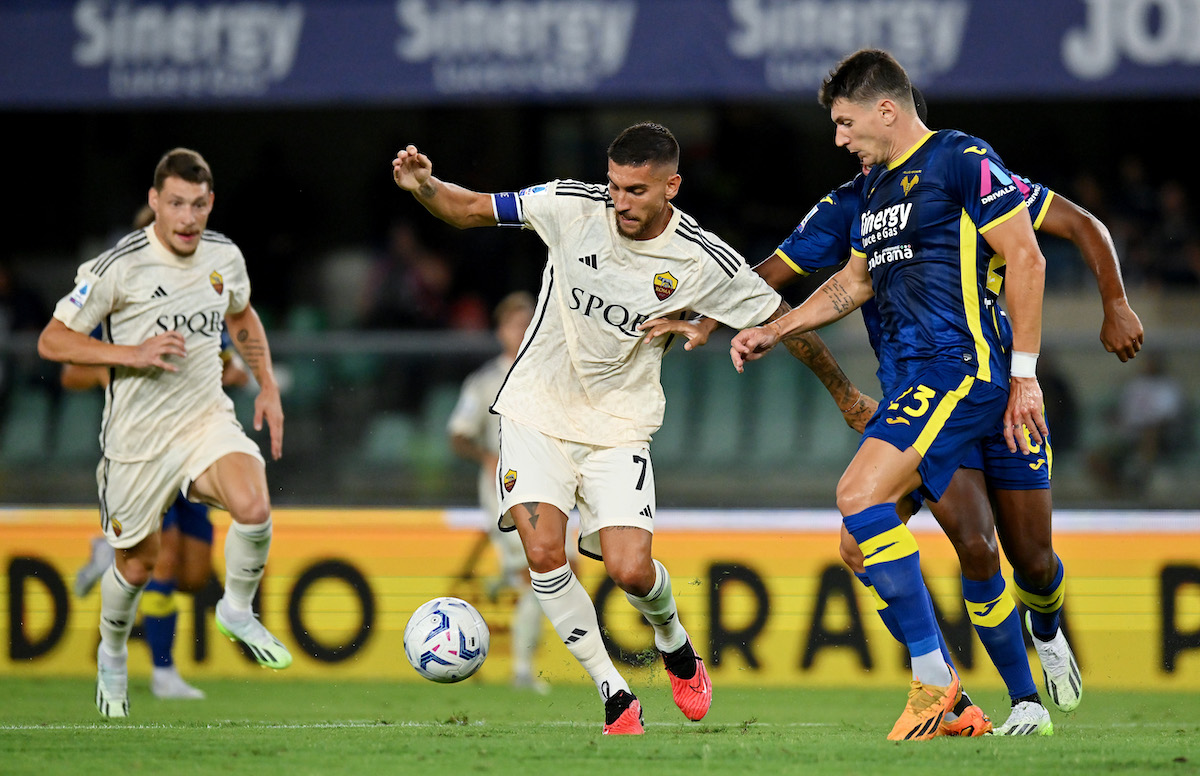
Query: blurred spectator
point(412, 287)
point(1173, 239)
point(1150, 424)
point(21, 311)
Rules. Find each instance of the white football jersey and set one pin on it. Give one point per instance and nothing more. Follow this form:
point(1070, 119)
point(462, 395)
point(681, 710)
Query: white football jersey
point(584, 373)
point(137, 290)
point(473, 419)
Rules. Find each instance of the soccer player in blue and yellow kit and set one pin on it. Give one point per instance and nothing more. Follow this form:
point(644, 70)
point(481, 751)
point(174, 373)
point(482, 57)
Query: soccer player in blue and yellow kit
point(935, 208)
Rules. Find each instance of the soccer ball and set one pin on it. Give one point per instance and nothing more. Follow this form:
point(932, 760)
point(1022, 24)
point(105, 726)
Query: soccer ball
point(446, 640)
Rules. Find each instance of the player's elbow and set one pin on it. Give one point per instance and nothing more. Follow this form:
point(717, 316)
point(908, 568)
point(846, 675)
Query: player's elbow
point(48, 346)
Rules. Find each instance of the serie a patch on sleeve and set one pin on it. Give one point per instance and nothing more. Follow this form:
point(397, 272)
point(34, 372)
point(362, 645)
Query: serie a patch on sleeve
point(80, 294)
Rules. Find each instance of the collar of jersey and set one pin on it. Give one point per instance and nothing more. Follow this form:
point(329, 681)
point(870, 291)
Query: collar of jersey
point(668, 233)
point(911, 151)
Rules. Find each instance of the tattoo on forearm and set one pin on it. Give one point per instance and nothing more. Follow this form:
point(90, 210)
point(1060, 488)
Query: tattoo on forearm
point(841, 299)
point(426, 190)
point(811, 350)
point(531, 508)
point(252, 349)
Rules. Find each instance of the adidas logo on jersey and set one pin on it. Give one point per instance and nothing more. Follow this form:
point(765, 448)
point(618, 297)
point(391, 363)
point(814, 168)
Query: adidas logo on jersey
point(159, 292)
point(647, 513)
point(588, 260)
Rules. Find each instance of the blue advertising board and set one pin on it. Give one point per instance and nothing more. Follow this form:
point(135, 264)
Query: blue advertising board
point(164, 53)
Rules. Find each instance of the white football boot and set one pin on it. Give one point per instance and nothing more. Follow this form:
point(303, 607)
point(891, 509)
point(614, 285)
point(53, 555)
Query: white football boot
point(167, 684)
point(1027, 719)
point(267, 650)
point(112, 684)
point(1064, 684)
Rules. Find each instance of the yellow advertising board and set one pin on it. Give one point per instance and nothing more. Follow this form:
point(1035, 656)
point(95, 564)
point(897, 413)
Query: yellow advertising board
point(762, 593)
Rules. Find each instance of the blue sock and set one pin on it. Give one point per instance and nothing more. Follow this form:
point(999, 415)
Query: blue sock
point(893, 564)
point(158, 621)
point(889, 619)
point(993, 612)
point(1044, 603)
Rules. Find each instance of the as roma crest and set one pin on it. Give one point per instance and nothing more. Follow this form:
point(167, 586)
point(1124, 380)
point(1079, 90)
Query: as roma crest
point(510, 479)
point(218, 282)
point(664, 285)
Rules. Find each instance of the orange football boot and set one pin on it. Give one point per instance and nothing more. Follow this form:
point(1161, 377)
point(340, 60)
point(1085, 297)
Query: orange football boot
point(927, 704)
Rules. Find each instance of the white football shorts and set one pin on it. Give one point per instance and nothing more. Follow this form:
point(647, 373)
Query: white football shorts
point(134, 496)
point(612, 486)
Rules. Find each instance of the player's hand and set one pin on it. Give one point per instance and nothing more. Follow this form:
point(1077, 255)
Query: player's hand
point(696, 331)
point(154, 351)
point(857, 414)
point(1023, 419)
point(268, 405)
point(752, 344)
point(1121, 333)
point(411, 169)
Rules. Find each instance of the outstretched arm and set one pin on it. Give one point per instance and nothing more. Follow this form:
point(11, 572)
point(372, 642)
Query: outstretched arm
point(1121, 333)
point(835, 299)
point(459, 207)
point(250, 338)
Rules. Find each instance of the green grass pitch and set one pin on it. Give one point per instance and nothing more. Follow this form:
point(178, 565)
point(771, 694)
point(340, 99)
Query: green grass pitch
point(278, 726)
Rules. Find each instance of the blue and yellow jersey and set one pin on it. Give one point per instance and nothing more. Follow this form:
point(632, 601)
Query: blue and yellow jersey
point(920, 228)
point(822, 239)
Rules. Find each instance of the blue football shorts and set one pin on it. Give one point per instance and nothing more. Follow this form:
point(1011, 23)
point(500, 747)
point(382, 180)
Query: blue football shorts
point(192, 519)
point(940, 412)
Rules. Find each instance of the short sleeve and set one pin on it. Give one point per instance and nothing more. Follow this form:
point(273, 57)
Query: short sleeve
point(238, 283)
point(740, 298)
point(988, 191)
point(531, 208)
point(92, 299)
point(822, 239)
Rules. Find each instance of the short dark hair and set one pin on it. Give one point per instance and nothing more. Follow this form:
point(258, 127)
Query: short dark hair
point(644, 143)
point(182, 163)
point(866, 76)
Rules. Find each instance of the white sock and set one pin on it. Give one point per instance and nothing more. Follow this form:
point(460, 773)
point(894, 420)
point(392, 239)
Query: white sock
point(931, 668)
point(658, 607)
point(246, 550)
point(526, 632)
point(118, 605)
point(573, 616)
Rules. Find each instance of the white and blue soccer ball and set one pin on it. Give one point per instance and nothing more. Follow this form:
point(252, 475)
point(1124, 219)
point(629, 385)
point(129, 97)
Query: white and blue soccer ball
point(446, 640)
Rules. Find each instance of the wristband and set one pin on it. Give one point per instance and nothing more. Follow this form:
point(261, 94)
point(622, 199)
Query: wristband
point(1023, 364)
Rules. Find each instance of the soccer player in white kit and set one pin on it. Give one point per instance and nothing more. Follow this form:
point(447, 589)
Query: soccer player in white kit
point(583, 397)
point(475, 436)
point(161, 295)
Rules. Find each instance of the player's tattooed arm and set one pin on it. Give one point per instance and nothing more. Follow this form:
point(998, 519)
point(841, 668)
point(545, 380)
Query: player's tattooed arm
point(841, 299)
point(857, 408)
point(811, 350)
point(250, 338)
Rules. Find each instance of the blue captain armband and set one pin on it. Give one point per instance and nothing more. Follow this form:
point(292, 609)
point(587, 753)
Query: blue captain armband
point(507, 208)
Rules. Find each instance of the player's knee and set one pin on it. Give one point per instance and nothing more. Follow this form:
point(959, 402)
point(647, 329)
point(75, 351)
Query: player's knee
point(251, 509)
point(544, 558)
point(977, 555)
point(850, 498)
point(633, 575)
point(1038, 568)
point(137, 570)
